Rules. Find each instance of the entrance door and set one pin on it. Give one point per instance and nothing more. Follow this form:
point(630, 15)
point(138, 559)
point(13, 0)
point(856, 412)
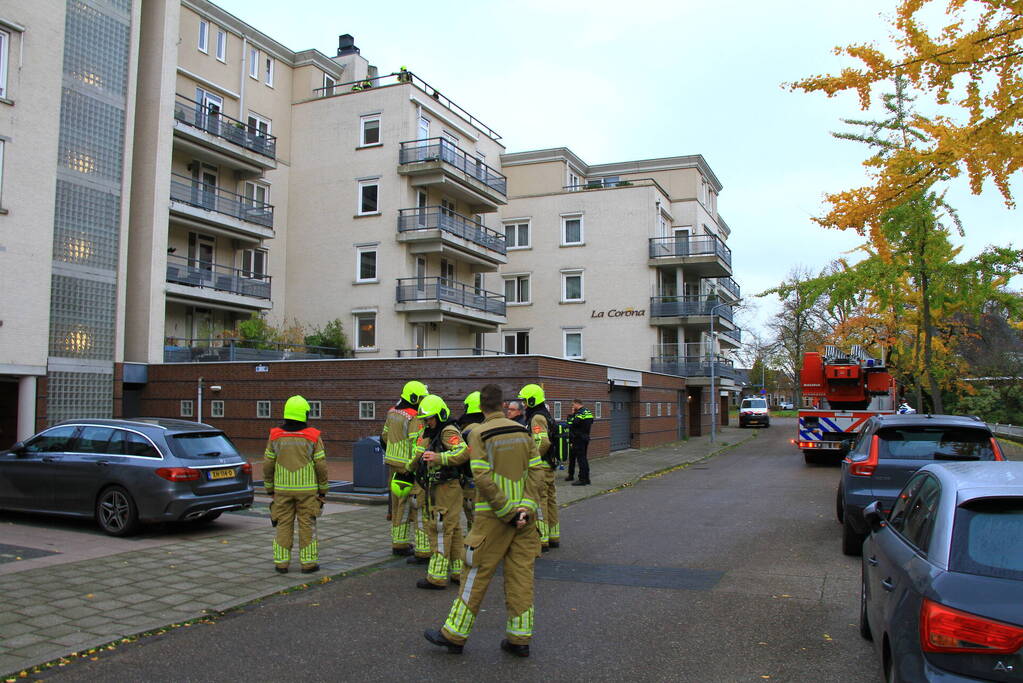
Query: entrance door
point(680, 416)
point(621, 419)
point(695, 399)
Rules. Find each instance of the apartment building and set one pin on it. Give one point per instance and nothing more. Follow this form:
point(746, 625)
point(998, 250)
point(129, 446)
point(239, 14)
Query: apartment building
point(623, 263)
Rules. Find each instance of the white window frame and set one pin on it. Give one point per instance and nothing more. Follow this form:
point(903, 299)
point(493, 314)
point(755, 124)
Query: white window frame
point(204, 36)
point(363, 120)
point(367, 410)
point(5, 49)
point(3, 144)
point(263, 411)
point(256, 124)
point(573, 181)
point(315, 410)
point(357, 317)
point(221, 45)
point(374, 182)
point(248, 265)
point(217, 408)
point(597, 410)
point(254, 63)
point(556, 412)
point(575, 331)
point(268, 70)
point(187, 408)
point(328, 82)
point(565, 218)
point(668, 405)
point(565, 275)
point(516, 224)
point(529, 287)
point(660, 408)
point(365, 249)
point(253, 189)
point(514, 334)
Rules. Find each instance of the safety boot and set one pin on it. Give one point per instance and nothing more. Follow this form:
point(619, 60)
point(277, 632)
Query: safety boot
point(401, 551)
point(418, 560)
point(426, 585)
point(437, 638)
point(517, 650)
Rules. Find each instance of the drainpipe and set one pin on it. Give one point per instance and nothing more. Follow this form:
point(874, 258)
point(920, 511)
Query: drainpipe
point(241, 85)
point(198, 403)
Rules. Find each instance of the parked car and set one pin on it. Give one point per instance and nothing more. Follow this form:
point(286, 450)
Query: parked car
point(785, 405)
point(126, 472)
point(942, 575)
point(753, 411)
point(886, 453)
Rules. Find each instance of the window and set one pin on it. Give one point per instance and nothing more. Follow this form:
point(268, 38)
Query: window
point(668, 406)
point(516, 289)
point(222, 46)
point(447, 208)
point(5, 46)
point(258, 125)
point(921, 514)
point(132, 443)
point(1, 174)
point(648, 409)
point(573, 344)
point(268, 70)
point(366, 330)
point(367, 410)
point(186, 408)
point(369, 197)
point(254, 263)
point(574, 181)
point(516, 342)
point(597, 410)
point(263, 409)
point(516, 235)
point(217, 408)
point(315, 410)
point(571, 230)
point(370, 131)
point(366, 264)
point(94, 439)
point(556, 413)
point(572, 286)
point(258, 194)
point(328, 85)
point(660, 407)
point(253, 62)
point(52, 441)
point(204, 36)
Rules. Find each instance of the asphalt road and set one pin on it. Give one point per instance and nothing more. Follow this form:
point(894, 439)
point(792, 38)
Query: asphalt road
point(729, 570)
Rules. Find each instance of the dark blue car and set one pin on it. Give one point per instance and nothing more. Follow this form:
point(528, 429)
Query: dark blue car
point(942, 577)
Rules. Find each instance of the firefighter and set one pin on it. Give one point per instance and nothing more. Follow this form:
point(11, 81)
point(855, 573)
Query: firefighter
point(437, 464)
point(295, 477)
point(508, 474)
point(470, 417)
point(401, 429)
point(541, 424)
point(579, 423)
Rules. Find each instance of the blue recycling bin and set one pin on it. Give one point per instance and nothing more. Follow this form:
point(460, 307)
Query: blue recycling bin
point(369, 473)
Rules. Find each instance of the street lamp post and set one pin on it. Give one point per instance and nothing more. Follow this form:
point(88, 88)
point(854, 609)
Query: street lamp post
point(713, 393)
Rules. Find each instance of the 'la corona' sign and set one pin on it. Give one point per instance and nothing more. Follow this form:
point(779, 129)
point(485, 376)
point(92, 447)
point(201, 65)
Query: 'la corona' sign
point(629, 312)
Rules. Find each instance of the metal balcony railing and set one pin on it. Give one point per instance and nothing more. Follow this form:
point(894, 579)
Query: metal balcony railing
point(439, 218)
point(701, 245)
point(442, 289)
point(218, 350)
point(434, 149)
point(212, 198)
point(214, 122)
point(679, 306)
point(735, 335)
point(730, 286)
point(692, 366)
point(195, 273)
point(448, 351)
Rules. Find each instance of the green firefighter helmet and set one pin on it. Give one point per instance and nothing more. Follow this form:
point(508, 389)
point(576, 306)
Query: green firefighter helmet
point(434, 406)
point(472, 402)
point(532, 394)
point(296, 408)
point(401, 484)
point(414, 391)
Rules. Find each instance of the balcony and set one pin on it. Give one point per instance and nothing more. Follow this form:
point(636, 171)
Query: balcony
point(212, 133)
point(728, 289)
point(731, 338)
point(225, 350)
point(689, 310)
point(232, 288)
point(448, 352)
point(210, 206)
point(702, 256)
point(439, 163)
point(435, 299)
point(432, 229)
point(694, 368)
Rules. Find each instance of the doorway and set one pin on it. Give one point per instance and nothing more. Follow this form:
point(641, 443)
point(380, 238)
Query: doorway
point(694, 397)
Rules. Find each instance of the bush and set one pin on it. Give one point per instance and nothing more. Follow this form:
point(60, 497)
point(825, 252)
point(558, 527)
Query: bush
point(331, 337)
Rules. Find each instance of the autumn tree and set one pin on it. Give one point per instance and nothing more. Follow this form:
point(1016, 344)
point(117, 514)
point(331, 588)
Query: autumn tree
point(794, 328)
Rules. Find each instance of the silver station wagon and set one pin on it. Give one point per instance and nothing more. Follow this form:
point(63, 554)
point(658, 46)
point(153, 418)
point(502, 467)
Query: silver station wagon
point(126, 472)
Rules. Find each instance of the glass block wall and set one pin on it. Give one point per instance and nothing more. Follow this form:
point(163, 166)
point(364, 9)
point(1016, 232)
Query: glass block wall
point(87, 217)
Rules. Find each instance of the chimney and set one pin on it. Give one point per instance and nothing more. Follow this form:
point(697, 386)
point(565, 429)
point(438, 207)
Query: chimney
point(346, 45)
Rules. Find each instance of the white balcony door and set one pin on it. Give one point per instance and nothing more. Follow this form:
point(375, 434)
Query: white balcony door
point(421, 218)
point(423, 135)
point(211, 107)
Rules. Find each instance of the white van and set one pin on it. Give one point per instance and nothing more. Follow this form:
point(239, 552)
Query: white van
point(753, 411)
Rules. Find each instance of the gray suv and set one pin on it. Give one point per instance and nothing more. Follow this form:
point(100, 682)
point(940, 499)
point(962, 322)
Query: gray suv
point(126, 472)
point(886, 453)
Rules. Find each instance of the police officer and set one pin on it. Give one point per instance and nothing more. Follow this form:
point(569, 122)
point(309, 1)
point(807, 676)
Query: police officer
point(401, 429)
point(541, 424)
point(436, 461)
point(295, 477)
point(471, 416)
point(508, 474)
point(579, 423)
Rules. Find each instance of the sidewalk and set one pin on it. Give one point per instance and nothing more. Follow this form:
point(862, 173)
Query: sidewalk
point(54, 612)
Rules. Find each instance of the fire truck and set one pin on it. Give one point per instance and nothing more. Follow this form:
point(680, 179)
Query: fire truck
point(844, 390)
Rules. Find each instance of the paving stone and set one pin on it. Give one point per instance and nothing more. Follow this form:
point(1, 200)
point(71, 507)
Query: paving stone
point(43, 622)
point(79, 640)
point(15, 629)
point(21, 641)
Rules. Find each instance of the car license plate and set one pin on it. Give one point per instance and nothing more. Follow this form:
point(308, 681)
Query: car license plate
point(222, 474)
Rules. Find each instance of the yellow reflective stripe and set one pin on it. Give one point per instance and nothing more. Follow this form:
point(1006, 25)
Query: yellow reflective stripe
point(303, 479)
point(453, 453)
point(319, 455)
point(529, 503)
point(536, 462)
point(269, 454)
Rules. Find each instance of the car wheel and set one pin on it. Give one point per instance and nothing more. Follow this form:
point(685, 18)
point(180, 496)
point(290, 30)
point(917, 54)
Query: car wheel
point(839, 507)
point(852, 542)
point(116, 512)
point(864, 620)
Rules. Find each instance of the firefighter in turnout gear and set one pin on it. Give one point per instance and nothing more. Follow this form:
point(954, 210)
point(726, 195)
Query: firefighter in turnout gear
point(508, 474)
point(295, 477)
point(471, 416)
point(540, 424)
point(436, 462)
point(401, 429)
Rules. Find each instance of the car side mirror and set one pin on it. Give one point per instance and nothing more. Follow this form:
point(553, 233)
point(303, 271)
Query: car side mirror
point(874, 516)
point(17, 449)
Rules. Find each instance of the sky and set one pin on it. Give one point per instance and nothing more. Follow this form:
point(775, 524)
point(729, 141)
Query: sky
point(620, 81)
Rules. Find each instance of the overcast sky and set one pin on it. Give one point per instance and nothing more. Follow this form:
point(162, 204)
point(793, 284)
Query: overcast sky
point(618, 81)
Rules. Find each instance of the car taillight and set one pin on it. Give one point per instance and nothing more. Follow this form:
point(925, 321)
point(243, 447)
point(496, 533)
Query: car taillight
point(178, 473)
point(866, 467)
point(997, 449)
point(247, 468)
point(943, 629)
